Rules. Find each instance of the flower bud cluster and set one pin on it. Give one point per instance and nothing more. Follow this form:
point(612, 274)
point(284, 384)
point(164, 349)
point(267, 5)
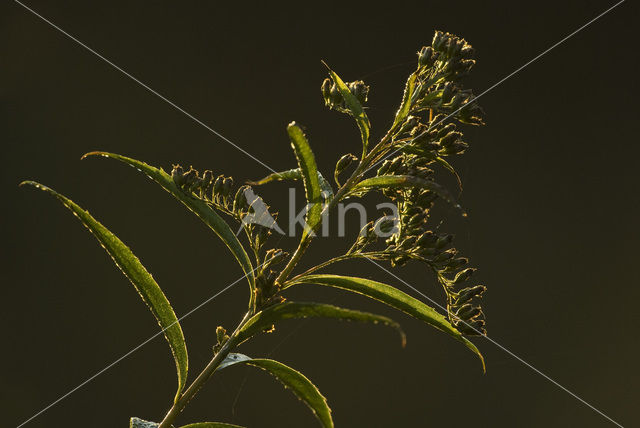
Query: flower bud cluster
point(217, 191)
point(334, 99)
point(266, 287)
point(465, 312)
point(441, 67)
point(413, 238)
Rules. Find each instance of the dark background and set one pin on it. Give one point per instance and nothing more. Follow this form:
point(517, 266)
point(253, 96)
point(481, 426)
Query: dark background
point(550, 185)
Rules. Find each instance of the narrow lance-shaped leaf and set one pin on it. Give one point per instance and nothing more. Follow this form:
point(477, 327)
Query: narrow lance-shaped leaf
point(198, 207)
point(393, 297)
point(355, 108)
point(296, 310)
point(406, 181)
point(405, 105)
point(302, 387)
point(307, 164)
point(141, 279)
point(295, 174)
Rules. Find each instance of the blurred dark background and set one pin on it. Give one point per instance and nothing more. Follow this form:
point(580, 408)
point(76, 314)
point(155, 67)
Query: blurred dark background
point(550, 185)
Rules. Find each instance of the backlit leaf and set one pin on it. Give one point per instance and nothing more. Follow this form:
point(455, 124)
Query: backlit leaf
point(141, 279)
point(197, 206)
point(307, 165)
point(296, 310)
point(292, 379)
point(393, 297)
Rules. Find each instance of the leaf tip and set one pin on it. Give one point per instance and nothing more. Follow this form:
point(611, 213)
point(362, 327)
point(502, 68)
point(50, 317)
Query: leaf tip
point(94, 153)
point(36, 185)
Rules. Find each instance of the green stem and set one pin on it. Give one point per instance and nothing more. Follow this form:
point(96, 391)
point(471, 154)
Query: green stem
point(203, 377)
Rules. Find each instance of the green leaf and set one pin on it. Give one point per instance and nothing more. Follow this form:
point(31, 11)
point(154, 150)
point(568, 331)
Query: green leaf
point(296, 310)
point(210, 425)
point(405, 105)
point(307, 164)
point(302, 387)
point(198, 207)
point(141, 279)
point(392, 181)
point(393, 297)
point(295, 174)
point(355, 108)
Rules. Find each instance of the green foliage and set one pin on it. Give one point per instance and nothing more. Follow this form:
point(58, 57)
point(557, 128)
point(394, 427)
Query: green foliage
point(393, 297)
point(195, 205)
point(302, 387)
point(402, 166)
point(349, 99)
point(309, 170)
point(141, 279)
point(264, 320)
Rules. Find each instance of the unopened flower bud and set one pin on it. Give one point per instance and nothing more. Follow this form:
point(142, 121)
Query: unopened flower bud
point(467, 52)
point(425, 56)
point(427, 239)
point(240, 200)
point(344, 162)
point(468, 311)
point(190, 178)
point(220, 333)
point(217, 185)
point(335, 96)
point(417, 218)
point(455, 264)
point(226, 186)
point(177, 174)
point(444, 256)
point(410, 123)
point(463, 275)
point(447, 92)
point(359, 90)
point(467, 294)
point(448, 139)
point(439, 40)
point(386, 225)
point(456, 148)
point(444, 241)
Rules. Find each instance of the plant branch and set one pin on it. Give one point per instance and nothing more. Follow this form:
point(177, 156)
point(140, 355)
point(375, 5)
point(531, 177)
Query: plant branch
point(204, 376)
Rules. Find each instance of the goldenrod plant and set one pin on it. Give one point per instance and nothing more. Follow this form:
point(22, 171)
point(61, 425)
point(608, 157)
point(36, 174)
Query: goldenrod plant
point(424, 135)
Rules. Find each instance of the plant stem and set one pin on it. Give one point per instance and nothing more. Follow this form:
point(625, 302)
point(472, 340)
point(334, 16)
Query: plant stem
point(230, 345)
point(204, 376)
